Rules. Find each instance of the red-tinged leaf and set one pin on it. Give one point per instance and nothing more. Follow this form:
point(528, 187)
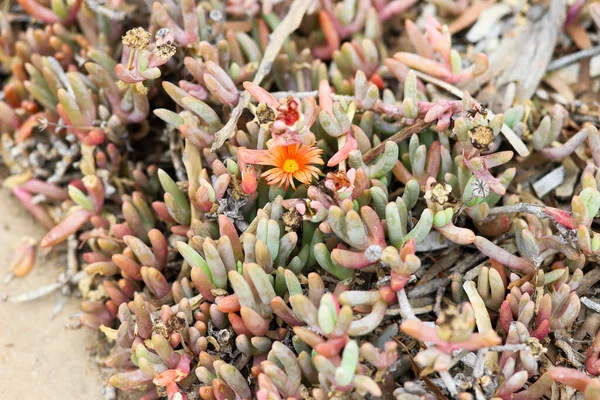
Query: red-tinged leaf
point(180, 230)
point(49, 190)
point(254, 322)
point(401, 173)
point(388, 294)
point(570, 377)
point(26, 129)
point(541, 331)
point(238, 326)
point(493, 227)
point(592, 364)
point(281, 309)
point(434, 157)
point(24, 259)
point(409, 247)
point(37, 210)
point(121, 230)
point(166, 377)
point(94, 137)
point(350, 259)
point(66, 227)
point(173, 390)
point(331, 37)
point(561, 216)
point(38, 11)
point(456, 234)
point(174, 375)
point(126, 75)
point(228, 304)
point(502, 256)
point(418, 40)
point(206, 393)
point(431, 67)
point(226, 228)
point(506, 317)
point(332, 347)
point(377, 80)
point(128, 267)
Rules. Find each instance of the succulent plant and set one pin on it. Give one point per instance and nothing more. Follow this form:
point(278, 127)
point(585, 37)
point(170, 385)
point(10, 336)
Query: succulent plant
point(271, 199)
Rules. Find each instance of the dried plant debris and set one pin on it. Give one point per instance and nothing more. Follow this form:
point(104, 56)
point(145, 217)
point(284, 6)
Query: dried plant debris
point(309, 199)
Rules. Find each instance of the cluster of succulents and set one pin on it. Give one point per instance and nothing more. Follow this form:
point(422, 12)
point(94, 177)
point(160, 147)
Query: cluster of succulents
point(258, 210)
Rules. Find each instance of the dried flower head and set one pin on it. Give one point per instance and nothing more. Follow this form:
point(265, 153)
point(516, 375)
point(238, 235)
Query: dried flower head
point(161, 329)
point(292, 220)
point(482, 137)
point(136, 38)
point(265, 114)
point(166, 51)
point(439, 193)
point(455, 324)
point(289, 162)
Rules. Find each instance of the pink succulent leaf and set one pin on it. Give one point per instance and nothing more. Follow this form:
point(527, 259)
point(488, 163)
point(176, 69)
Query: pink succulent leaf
point(570, 377)
point(325, 99)
point(431, 67)
point(351, 259)
point(127, 75)
point(66, 227)
point(541, 331)
point(343, 153)
point(395, 7)
point(502, 256)
point(438, 109)
point(261, 95)
point(558, 153)
point(561, 216)
point(194, 89)
point(444, 121)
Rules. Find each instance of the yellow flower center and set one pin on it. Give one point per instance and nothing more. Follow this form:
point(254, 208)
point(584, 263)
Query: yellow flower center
point(290, 166)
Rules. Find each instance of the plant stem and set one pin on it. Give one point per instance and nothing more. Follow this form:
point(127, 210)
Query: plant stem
point(405, 133)
point(405, 309)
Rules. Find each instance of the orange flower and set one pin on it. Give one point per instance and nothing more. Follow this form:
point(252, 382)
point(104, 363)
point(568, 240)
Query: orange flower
point(289, 162)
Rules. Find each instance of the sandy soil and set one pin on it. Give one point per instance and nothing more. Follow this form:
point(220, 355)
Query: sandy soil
point(39, 357)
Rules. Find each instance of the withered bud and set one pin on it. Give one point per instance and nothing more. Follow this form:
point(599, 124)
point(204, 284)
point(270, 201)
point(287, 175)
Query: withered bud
point(439, 193)
point(165, 51)
point(140, 88)
point(176, 323)
point(292, 220)
point(161, 329)
point(136, 38)
point(265, 114)
point(482, 137)
point(537, 349)
point(122, 85)
point(453, 326)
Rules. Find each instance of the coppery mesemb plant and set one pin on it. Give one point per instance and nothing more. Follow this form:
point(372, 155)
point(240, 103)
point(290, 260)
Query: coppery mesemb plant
point(273, 201)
